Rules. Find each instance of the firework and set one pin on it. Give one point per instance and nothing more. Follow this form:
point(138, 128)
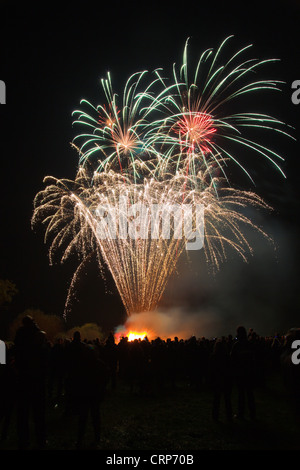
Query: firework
point(114, 137)
point(160, 145)
point(196, 127)
point(141, 265)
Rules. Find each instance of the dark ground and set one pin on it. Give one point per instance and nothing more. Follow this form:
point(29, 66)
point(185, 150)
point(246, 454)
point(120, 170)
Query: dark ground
point(178, 420)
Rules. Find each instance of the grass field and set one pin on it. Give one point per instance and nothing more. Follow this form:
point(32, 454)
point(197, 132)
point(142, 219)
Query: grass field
point(177, 420)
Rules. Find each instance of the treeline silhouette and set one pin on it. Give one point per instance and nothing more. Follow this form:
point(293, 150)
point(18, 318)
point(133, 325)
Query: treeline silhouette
point(78, 374)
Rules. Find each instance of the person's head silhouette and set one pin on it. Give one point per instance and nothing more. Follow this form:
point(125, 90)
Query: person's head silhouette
point(77, 337)
point(241, 333)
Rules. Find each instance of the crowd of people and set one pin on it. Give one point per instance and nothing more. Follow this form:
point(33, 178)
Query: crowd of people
point(79, 373)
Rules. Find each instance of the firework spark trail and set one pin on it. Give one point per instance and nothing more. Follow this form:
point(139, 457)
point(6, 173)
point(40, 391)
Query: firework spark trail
point(141, 289)
point(159, 145)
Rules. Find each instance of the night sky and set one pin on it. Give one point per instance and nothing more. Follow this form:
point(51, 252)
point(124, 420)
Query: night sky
point(51, 57)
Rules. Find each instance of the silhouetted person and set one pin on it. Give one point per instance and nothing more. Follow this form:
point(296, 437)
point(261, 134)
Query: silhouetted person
point(158, 362)
point(192, 365)
point(221, 379)
point(123, 358)
point(74, 364)
point(96, 376)
point(87, 377)
point(111, 358)
point(31, 362)
point(243, 362)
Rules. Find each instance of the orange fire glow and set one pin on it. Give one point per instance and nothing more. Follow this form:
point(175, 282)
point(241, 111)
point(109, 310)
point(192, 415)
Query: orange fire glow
point(133, 335)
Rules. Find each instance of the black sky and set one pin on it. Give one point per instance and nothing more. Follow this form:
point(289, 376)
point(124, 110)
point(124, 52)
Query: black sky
point(52, 56)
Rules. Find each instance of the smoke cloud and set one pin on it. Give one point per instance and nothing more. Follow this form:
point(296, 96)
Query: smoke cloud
point(172, 322)
point(260, 294)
